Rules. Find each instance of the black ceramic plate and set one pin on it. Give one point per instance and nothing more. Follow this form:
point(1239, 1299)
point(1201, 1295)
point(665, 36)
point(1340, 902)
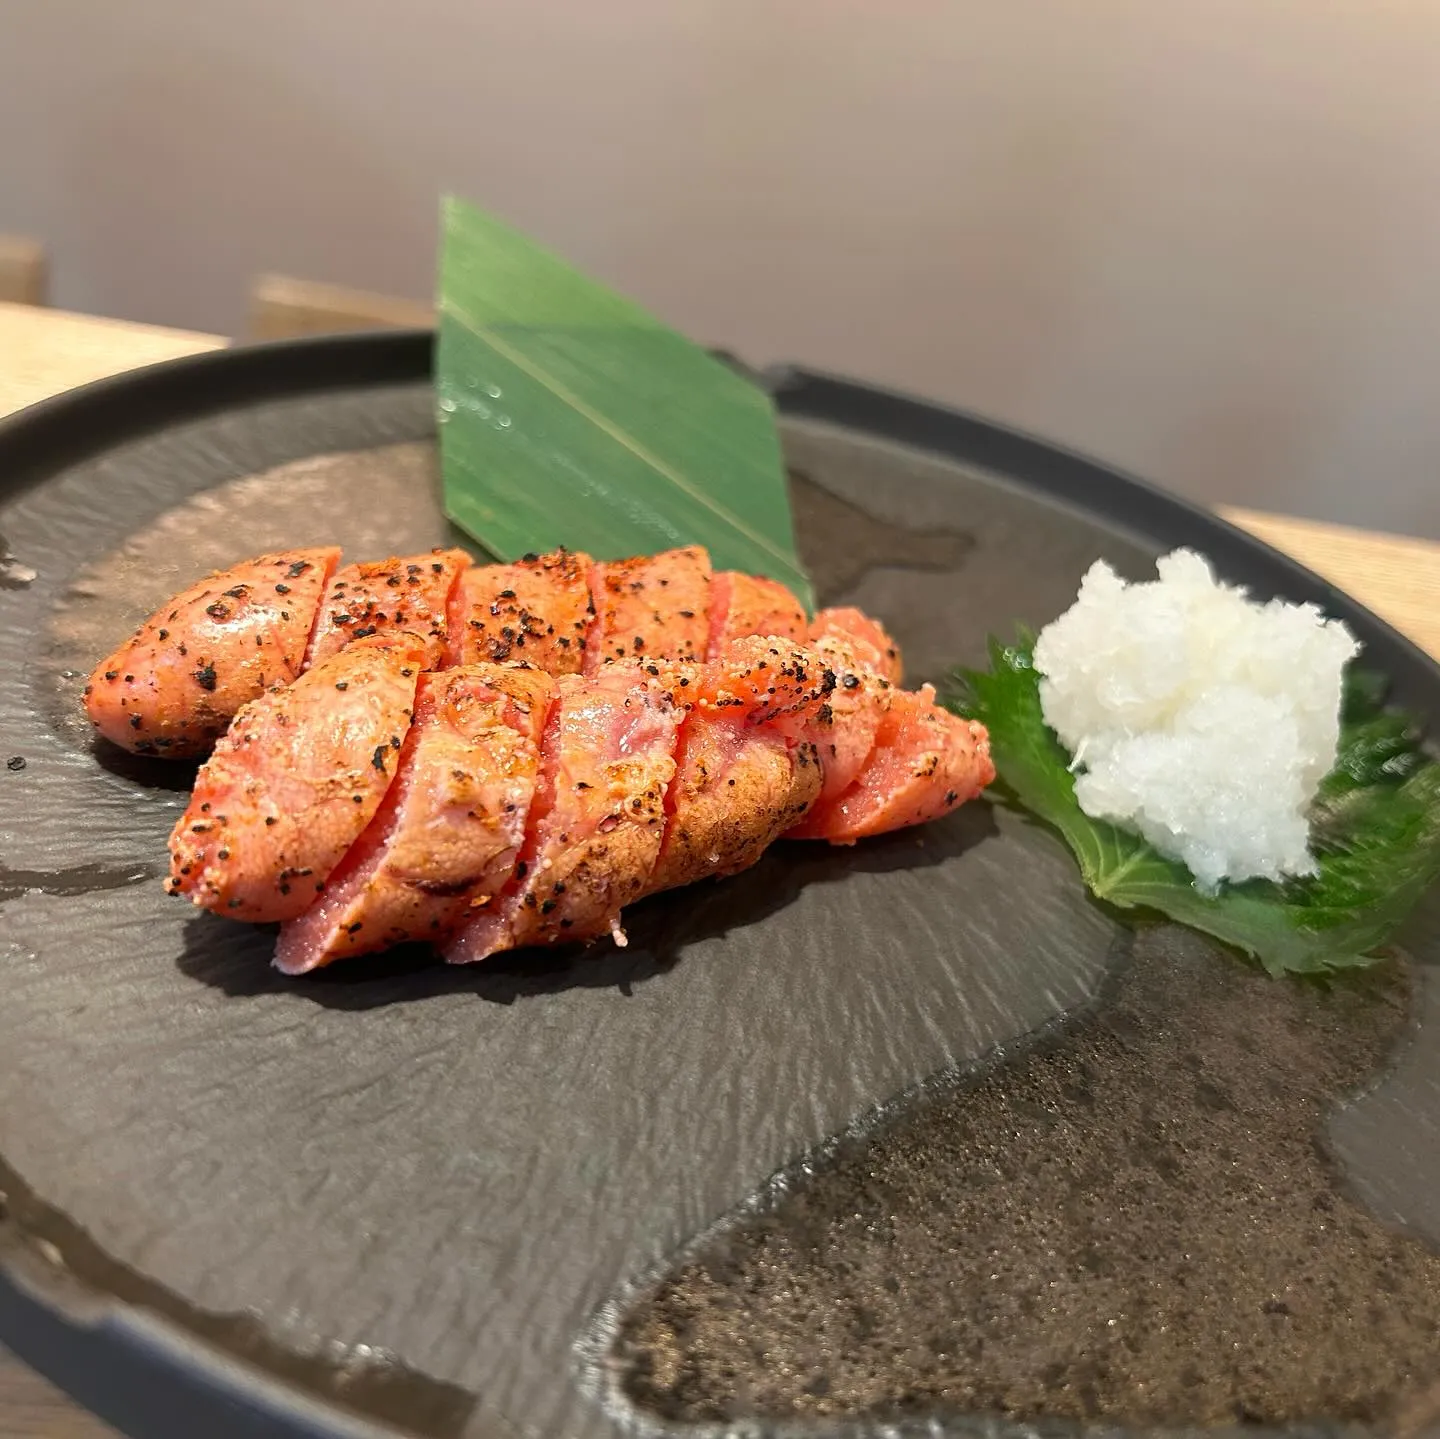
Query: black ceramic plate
point(907, 1135)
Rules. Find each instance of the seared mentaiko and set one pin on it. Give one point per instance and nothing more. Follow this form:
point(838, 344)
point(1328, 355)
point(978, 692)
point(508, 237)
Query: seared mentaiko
point(174, 686)
point(494, 806)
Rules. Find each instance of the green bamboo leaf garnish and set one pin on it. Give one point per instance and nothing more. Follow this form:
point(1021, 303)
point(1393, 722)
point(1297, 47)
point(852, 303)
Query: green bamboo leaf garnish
point(570, 416)
point(1375, 829)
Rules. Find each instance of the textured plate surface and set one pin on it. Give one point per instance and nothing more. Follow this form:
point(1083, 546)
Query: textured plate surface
point(400, 1195)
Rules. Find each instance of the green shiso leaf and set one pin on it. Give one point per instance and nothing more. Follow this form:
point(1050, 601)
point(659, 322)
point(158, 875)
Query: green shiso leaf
point(1375, 832)
point(570, 416)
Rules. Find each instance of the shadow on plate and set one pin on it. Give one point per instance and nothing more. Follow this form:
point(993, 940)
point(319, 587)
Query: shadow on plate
point(148, 771)
point(236, 958)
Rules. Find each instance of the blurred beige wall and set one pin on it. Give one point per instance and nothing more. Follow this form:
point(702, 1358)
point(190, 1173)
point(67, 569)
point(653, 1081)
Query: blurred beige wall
point(1200, 238)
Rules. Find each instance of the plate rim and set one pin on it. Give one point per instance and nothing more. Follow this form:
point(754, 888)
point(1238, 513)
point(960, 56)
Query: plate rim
point(144, 1374)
